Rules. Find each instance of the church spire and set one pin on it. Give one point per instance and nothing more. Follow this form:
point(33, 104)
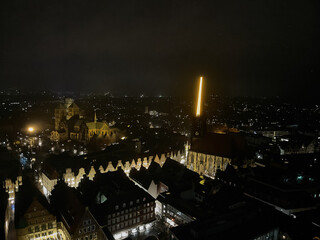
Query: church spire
point(95, 116)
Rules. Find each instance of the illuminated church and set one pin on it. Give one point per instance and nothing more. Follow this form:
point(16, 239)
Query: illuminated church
point(70, 124)
point(213, 148)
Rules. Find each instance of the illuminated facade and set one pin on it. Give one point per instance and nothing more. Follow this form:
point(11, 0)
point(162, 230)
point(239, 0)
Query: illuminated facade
point(88, 228)
point(120, 205)
point(206, 164)
point(101, 130)
point(63, 114)
point(65, 111)
point(11, 189)
point(48, 180)
point(41, 224)
point(69, 124)
point(210, 150)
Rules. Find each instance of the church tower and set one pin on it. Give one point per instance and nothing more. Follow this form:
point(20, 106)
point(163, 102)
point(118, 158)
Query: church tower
point(199, 127)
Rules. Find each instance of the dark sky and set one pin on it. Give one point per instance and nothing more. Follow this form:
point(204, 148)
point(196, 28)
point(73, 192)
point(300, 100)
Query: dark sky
point(242, 47)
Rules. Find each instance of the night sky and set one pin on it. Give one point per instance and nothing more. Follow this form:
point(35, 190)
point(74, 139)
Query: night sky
point(241, 47)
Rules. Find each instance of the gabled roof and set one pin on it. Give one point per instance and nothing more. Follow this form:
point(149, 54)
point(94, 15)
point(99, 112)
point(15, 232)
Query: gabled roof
point(27, 197)
point(98, 125)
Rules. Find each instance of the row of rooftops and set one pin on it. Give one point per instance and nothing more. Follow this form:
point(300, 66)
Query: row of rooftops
point(56, 165)
point(179, 180)
point(172, 174)
point(216, 211)
point(69, 204)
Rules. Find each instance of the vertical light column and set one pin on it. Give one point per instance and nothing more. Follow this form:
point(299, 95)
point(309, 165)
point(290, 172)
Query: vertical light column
point(199, 99)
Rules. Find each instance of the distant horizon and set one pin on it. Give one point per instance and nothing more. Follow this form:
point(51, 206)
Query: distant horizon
point(66, 94)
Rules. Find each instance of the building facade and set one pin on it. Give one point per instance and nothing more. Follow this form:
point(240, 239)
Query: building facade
point(70, 124)
point(39, 223)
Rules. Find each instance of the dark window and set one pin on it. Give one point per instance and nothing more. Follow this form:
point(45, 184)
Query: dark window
point(43, 227)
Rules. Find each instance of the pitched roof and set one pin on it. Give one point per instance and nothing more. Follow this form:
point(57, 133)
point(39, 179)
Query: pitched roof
point(114, 188)
point(98, 125)
point(67, 202)
point(224, 145)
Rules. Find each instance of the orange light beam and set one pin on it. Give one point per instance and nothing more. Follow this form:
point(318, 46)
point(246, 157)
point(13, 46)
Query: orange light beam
point(199, 99)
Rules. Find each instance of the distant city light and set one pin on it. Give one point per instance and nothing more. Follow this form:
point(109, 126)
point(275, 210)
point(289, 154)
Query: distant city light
point(30, 129)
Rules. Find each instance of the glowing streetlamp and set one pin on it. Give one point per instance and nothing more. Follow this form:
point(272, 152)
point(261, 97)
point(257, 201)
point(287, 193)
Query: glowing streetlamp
point(199, 99)
point(30, 129)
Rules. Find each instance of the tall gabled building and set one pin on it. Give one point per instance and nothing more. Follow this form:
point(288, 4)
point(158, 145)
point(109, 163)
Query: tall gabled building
point(34, 217)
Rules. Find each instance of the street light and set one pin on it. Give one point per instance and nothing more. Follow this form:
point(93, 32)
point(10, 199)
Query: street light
point(31, 131)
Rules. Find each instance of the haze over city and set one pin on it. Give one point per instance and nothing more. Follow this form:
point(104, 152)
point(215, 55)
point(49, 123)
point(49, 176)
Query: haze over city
point(255, 48)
